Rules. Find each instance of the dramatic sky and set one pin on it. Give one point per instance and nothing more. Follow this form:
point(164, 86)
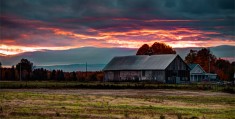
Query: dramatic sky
point(32, 25)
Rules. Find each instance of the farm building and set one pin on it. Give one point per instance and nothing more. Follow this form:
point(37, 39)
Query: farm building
point(198, 74)
point(167, 68)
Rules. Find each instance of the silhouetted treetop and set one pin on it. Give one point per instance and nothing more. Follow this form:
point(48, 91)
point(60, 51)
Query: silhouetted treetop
point(155, 49)
point(24, 65)
point(143, 50)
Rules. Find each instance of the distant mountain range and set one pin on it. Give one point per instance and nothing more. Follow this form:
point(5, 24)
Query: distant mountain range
point(75, 59)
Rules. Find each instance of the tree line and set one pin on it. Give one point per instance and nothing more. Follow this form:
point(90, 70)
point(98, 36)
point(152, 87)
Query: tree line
point(25, 71)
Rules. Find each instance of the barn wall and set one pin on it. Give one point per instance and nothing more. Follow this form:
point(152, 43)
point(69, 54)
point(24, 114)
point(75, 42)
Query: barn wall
point(159, 76)
point(135, 75)
point(109, 76)
point(177, 64)
point(177, 71)
point(130, 75)
point(146, 75)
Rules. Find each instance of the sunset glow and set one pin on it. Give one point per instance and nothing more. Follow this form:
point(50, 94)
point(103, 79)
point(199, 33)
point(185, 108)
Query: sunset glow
point(179, 37)
point(109, 25)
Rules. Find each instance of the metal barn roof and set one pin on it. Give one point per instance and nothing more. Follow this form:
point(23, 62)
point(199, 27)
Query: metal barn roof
point(140, 62)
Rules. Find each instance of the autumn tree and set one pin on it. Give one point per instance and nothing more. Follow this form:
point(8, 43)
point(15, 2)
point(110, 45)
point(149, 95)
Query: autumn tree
point(224, 69)
point(155, 49)
point(161, 48)
point(206, 59)
point(74, 76)
point(203, 57)
point(210, 63)
point(143, 50)
point(191, 57)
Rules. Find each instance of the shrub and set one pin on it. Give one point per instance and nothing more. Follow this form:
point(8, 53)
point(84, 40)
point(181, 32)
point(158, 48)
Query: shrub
point(162, 117)
point(57, 114)
point(179, 116)
point(126, 114)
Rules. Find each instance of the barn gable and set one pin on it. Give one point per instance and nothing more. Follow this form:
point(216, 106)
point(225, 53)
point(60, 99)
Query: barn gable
point(178, 64)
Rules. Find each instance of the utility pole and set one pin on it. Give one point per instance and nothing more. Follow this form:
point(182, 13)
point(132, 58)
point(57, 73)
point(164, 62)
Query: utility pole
point(209, 64)
point(86, 69)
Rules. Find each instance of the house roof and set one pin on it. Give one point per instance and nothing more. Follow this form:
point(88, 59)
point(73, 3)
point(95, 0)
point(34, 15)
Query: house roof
point(194, 68)
point(140, 62)
point(191, 66)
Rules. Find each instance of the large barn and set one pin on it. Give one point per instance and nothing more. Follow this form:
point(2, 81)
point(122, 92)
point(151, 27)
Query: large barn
point(167, 68)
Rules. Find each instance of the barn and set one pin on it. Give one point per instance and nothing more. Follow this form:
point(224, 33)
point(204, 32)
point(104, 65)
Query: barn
point(167, 68)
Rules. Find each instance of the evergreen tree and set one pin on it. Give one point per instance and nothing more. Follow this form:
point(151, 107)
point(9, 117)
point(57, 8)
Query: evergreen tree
point(24, 65)
point(13, 73)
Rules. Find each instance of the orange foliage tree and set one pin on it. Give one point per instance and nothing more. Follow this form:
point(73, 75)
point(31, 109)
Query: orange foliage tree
point(210, 63)
point(156, 48)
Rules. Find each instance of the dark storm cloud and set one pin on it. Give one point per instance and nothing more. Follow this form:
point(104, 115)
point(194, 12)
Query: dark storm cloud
point(139, 9)
point(90, 17)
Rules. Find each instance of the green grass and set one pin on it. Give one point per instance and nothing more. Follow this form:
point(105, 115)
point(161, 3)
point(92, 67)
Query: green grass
point(61, 105)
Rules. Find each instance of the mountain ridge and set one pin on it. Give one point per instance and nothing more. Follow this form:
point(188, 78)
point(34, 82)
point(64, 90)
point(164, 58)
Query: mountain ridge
point(94, 55)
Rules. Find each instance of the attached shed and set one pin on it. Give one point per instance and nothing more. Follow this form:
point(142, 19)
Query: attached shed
point(167, 68)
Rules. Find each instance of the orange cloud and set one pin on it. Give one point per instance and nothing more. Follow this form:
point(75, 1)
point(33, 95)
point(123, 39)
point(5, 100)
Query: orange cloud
point(13, 49)
point(162, 20)
point(179, 37)
point(71, 34)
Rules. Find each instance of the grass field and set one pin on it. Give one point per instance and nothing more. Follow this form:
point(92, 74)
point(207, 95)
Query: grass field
point(128, 103)
point(112, 85)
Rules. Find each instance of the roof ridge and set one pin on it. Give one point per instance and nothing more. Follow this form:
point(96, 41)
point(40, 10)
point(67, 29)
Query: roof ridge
point(140, 62)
